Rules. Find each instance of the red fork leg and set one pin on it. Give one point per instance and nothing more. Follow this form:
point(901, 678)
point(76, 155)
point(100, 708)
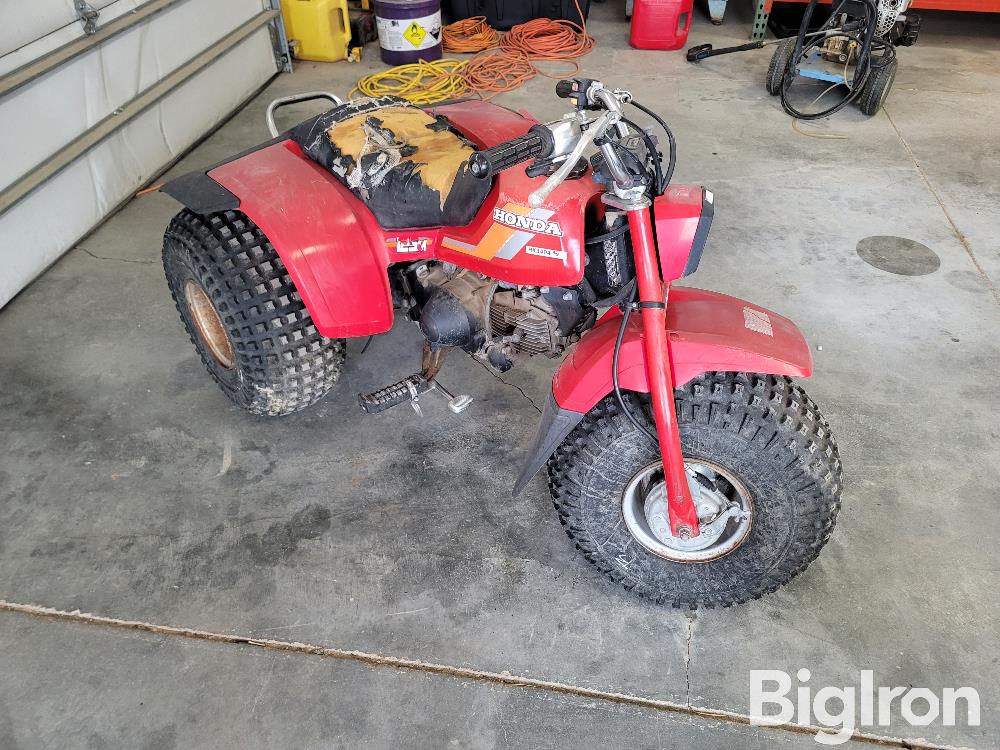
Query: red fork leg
point(683, 516)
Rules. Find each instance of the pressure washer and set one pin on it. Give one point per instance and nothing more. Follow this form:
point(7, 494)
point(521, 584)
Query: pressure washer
point(854, 49)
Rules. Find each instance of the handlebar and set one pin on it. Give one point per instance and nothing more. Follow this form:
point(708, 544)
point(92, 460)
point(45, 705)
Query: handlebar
point(537, 143)
point(564, 141)
point(596, 128)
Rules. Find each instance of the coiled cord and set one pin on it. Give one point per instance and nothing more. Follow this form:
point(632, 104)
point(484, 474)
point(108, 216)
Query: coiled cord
point(502, 63)
point(494, 71)
point(469, 35)
point(418, 83)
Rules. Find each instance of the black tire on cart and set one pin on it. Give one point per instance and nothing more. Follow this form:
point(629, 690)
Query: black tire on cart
point(764, 472)
point(244, 316)
point(876, 88)
point(780, 61)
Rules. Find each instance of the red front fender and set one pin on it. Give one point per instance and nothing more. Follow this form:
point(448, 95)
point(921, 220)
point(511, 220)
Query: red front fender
point(707, 332)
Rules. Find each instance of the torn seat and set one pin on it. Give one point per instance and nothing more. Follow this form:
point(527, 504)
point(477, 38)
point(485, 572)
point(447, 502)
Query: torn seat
point(409, 167)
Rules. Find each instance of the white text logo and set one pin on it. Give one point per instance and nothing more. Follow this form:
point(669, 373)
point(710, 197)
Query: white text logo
point(834, 707)
point(527, 223)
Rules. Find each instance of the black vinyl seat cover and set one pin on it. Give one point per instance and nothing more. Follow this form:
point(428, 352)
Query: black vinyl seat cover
point(409, 167)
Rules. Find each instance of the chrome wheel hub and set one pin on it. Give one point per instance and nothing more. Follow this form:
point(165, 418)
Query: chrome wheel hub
point(722, 502)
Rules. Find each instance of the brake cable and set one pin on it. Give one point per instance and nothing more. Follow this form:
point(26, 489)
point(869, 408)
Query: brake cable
point(628, 293)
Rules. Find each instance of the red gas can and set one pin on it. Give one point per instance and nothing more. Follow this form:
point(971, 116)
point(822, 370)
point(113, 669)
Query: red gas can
point(660, 24)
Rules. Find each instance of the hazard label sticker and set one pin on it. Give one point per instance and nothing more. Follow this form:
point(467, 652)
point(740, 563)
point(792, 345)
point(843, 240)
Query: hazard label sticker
point(409, 34)
point(415, 34)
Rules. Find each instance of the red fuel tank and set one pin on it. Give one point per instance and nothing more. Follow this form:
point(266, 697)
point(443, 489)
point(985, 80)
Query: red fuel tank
point(660, 24)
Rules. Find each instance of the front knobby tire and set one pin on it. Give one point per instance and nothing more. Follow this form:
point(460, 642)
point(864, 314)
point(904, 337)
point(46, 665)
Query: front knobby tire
point(764, 431)
point(244, 315)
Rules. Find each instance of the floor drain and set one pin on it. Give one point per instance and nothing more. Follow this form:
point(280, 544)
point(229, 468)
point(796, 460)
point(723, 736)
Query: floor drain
point(898, 255)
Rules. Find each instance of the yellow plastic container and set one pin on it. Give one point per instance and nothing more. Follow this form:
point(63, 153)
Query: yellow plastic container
point(317, 29)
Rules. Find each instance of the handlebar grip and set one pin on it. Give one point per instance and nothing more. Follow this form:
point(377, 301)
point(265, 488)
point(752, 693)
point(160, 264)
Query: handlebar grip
point(565, 88)
point(537, 143)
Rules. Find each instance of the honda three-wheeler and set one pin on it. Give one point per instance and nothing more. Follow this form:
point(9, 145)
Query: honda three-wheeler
point(682, 458)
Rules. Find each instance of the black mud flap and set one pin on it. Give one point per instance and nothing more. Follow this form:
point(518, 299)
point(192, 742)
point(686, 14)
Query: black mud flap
point(203, 195)
point(200, 193)
point(556, 423)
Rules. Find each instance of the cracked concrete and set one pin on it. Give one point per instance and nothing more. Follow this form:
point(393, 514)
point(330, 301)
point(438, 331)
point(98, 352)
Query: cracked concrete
point(516, 387)
point(395, 535)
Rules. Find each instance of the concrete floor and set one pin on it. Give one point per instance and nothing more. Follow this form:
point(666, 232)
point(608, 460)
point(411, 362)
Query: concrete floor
point(131, 488)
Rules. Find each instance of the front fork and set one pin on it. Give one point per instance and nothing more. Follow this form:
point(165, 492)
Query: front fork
point(653, 293)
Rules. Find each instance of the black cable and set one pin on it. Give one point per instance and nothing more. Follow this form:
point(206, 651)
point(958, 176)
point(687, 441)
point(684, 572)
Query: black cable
point(672, 157)
point(614, 367)
point(654, 155)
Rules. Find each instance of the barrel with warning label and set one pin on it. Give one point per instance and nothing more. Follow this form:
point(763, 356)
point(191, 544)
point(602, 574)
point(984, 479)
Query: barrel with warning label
point(408, 30)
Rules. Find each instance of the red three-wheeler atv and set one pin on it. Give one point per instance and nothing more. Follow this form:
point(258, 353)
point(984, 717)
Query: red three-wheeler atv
point(683, 460)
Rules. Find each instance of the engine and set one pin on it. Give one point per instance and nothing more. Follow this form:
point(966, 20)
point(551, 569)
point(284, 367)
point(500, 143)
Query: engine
point(494, 321)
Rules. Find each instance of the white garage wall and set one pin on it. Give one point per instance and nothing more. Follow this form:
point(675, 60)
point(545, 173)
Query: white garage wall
point(26, 21)
point(40, 118)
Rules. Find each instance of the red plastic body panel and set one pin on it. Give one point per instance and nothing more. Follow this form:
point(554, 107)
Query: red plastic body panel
point(706, 332)
point(676, 216)
point(333, 249)
point(337, 255)
point(497, 247)
point(660, 24)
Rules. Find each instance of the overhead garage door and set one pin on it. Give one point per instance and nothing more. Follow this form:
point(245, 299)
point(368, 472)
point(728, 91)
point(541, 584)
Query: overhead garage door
point(88, 115)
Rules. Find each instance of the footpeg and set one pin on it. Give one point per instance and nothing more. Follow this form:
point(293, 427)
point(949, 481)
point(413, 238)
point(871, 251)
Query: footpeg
point(409, 390)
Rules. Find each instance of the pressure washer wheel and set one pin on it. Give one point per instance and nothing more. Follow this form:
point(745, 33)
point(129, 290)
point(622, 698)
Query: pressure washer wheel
point(765, 477)
point(244, 316)
point(779, 64)
point(877, 87)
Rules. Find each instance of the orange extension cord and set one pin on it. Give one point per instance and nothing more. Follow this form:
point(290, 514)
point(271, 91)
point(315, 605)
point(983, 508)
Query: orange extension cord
point(496, 70)
point(469, 35)
point(544, 39)
point(502, 64)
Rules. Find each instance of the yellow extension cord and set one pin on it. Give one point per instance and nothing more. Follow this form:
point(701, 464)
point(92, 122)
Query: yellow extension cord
point(419, 83)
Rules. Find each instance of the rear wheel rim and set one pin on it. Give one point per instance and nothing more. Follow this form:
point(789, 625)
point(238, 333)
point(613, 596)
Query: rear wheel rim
point(209, 325)
point(725, 512)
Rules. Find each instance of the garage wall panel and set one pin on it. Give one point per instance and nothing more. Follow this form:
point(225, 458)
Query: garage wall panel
point(26, 21)
point(53, 110)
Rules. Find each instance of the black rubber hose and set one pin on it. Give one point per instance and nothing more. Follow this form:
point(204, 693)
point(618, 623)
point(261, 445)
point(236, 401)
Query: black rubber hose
point(654, 154)
point(672, 154)
point(861, 69)
point(614, 368)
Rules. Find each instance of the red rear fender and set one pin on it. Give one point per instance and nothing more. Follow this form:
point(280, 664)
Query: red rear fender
point(334, 251)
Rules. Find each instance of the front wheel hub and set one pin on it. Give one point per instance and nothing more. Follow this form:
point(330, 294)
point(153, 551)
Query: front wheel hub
point(723, 504)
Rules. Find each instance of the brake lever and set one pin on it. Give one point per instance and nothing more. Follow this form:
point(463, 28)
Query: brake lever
point(597, 128)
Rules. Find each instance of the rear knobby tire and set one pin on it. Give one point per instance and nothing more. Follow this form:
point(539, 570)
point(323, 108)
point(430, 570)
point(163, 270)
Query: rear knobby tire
point(762, 429)
point(876, 88)
point(263, 350)
point(779, 64)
